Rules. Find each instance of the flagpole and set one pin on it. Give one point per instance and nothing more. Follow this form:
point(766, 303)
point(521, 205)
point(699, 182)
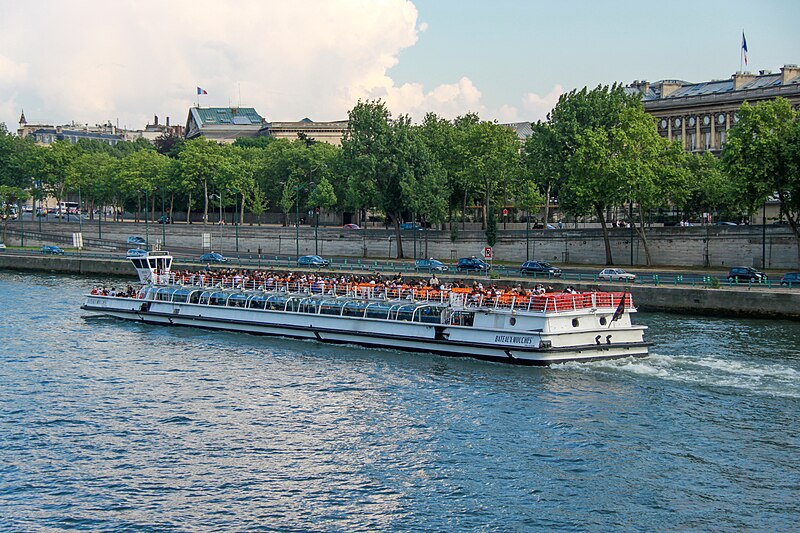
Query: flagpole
point(741, 53)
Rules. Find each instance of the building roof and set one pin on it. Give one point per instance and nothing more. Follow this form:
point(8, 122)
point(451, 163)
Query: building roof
point(223, 123)
point(666, 90)
point(241, 116)
point(522, 129)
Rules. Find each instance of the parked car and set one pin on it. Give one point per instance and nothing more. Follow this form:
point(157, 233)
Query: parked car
point(615, 274)
point(746, 274)
point(136, 252)
point(213, 257)
point(312, 261)
point(2, 246)
point(411, 225)
point(52, 249)
point(725, 224)
point(539, 268)
point(466, 264)
point(430, 265)
point(136, 240)
point(351, 226)
point(792, 279)
point(165, 219)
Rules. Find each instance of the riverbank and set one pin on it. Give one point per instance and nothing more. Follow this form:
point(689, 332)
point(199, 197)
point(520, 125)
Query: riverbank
point(743, 301)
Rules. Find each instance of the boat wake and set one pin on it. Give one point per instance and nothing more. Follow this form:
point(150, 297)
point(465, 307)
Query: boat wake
point(755, 377)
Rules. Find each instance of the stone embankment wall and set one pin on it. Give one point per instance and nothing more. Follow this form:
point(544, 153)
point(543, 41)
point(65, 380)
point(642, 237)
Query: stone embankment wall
point(755, 302)
point(708, 246)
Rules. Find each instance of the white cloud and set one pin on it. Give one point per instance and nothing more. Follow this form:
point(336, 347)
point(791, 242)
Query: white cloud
point(95, 60)
point(537, 107)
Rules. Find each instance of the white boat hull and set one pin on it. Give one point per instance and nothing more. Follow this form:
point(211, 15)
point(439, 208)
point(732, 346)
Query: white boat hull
point(522, 347)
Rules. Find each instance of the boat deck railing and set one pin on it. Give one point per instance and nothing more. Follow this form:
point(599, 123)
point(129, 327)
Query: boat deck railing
point(454, 297)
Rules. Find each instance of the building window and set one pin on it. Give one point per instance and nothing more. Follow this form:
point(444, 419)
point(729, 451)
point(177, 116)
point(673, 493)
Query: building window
point(707, 140)
point(692, 142)
point(722, 138)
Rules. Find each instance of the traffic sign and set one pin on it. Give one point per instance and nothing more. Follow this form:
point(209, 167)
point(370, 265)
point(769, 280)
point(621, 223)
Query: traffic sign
point(487, 252)
point(505, 212)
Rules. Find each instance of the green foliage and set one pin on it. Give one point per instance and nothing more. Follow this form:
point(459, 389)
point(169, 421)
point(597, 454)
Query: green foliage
point(762, 158)
point(323, 195)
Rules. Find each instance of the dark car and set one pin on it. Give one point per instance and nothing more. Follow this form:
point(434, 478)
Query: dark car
point(136, 240)
point(539, 268)
point(746, 274)
point(792, 279)
point(466, 264)
point(312, 261)
point(430, 265)
point(52, 249)
point(411, 225)
point(213, 257)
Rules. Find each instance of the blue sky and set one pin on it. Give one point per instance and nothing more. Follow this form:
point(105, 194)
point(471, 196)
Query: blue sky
point(92, 61)
point(508, 48)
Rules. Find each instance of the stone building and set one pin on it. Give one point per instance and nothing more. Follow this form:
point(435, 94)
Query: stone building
point(223, 124)
point(699, 115)
point(329, 132)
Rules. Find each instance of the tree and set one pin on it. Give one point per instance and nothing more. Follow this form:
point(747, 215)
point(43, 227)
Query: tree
point(709, 190)
point(200, 163)
point(169, 144)
point(382, 154)
point(761, 157)
point(540, 164)
point(608, 153)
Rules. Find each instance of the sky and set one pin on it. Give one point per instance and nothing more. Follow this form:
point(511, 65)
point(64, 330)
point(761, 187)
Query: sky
point(124, 61)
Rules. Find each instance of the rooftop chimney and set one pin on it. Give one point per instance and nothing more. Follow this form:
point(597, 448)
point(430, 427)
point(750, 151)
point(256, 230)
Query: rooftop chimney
point(155, 120)
point(668, 87)
point(742, 78)
point(167, 122)
point(788, 73)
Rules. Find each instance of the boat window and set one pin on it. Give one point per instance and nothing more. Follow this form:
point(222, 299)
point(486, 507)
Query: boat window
point(194, 297)
point(354, 309)
point(462, 318)
point(238, 300)
point(259, 301)
point(428, 314)
point(378, 310)
point(205, 297)
point(218, 298)
point(276, 303)
point(575, 322)
point(331, 307)
point(164, 294)
point(181, 295)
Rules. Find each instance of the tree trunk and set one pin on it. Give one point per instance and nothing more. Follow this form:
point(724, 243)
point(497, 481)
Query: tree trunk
point(205, 201)
point(241, 212)
point(642, 233)
point(171, 205)
point(464, 212)
point(546, 206)
point(606, 240)
point(395, 220)
point(189, 209)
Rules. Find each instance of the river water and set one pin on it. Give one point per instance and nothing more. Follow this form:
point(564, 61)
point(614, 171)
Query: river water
point(112, 425)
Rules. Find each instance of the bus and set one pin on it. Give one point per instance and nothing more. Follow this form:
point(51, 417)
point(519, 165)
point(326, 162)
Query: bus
point(71, 208)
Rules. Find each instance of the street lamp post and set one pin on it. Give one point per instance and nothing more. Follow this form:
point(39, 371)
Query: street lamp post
point(80, 211)
point(316, 230)
point(146, 226)
point(163, 220)
point(236, 220)
point(297, 221)
point(527, 235)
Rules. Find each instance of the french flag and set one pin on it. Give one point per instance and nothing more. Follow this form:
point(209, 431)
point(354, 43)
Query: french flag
point(201, 91)
point(744, 48)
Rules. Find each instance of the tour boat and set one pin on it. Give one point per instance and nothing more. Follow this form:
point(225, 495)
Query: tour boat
point(512, 328)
